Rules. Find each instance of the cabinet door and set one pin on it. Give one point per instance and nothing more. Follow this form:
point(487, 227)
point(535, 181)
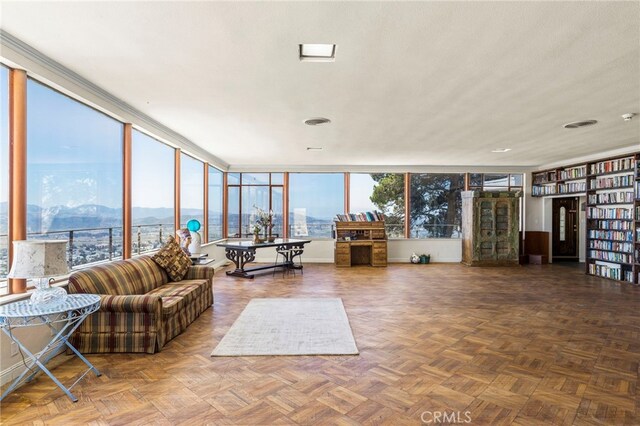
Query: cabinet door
point(503, 243)
point(486, 230)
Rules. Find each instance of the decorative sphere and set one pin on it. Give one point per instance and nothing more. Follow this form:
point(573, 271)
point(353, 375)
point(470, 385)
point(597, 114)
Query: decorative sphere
point(193, 225)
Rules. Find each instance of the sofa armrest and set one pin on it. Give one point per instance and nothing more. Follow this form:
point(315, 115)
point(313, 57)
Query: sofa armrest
point(199, 272)
point(131, 303)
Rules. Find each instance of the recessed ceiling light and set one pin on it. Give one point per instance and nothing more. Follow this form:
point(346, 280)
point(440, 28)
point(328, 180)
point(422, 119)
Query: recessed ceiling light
point(314, 148)
point(316, 121)
point(578, 124)
point(501, 150)
point(317, 52)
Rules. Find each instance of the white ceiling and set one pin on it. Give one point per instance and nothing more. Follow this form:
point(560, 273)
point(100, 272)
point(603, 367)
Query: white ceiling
point(413, 83)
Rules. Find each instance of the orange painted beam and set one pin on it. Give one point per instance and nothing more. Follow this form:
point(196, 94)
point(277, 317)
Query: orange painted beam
point(17, 167)
point(176, 190)
point(126, 192)
point(205, 217)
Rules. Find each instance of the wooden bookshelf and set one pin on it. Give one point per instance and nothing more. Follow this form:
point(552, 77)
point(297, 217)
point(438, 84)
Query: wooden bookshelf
point(612, 245)
point(636, 223)
point(560, 181)
point(360, 243)
point(612, 188)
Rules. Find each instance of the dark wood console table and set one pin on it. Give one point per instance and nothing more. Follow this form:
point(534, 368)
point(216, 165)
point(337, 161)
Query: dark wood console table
point(243, 252)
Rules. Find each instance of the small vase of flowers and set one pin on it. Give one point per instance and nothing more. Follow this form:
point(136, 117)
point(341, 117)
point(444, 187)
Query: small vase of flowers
point(264, 222)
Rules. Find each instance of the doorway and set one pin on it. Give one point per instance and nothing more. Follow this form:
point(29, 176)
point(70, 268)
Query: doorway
point(565, 230)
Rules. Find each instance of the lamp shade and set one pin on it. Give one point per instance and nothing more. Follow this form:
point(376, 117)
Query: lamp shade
point(38, 259)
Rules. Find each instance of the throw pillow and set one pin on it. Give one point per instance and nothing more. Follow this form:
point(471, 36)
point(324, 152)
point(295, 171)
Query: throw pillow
point(172, 259)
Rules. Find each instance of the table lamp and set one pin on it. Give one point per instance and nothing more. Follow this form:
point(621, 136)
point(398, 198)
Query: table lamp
point(40, 260)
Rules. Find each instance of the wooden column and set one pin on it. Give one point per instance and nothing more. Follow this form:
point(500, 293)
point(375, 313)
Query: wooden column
point(225, 205)
point(285, 205)
point(126, 192)
point(347, 186)
point(205, 216)
point(17, 167)
point(407, 205)
point(176, 191)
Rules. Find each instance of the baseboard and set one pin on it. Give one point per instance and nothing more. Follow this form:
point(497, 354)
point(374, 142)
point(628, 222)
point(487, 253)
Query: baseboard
point(439, 260)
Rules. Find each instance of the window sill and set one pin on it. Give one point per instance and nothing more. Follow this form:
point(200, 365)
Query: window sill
point(10, 298)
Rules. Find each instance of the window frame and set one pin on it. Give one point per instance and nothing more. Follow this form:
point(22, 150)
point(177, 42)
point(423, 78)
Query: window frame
point(240, 185)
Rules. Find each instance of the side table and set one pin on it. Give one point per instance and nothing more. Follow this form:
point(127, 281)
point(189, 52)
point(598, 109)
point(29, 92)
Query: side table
point(69, 315)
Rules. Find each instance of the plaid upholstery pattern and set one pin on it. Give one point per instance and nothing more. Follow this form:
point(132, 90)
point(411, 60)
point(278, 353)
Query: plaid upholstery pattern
point(138, 322)
point(132, 276)
point(173, 259)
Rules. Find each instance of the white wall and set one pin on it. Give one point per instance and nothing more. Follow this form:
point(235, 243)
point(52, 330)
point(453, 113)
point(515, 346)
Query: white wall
point(399, 251)
point(540, 215)
point(34, 338)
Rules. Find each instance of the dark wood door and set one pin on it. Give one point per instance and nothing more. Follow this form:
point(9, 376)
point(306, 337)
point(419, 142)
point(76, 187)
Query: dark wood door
point(565, 229)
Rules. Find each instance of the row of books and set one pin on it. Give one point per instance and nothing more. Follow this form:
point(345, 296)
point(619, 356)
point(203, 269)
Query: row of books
point(618, 225)
point(611, 246)
point(373, 216)
point(611, 197)
point(637, 212)
point(638, 190)
point(612, 235)
point(611, 182)
point(567, 188)
point(574, 173)
point(610, 256)
point(543, 190)
point(609, 213)
point(610, 271)
point(544, 177)
point(612, 166)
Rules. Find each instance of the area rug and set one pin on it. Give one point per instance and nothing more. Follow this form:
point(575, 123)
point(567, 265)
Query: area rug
point(289, 327)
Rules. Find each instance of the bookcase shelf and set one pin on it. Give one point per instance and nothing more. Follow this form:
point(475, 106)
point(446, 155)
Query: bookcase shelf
point(561, 181)
point(612, 188)
point(611, 197)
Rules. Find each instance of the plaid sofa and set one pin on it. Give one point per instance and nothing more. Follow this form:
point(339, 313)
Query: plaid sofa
point(140, 309)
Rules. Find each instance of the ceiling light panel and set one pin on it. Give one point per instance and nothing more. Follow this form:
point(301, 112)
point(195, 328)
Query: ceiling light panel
point(318, 52)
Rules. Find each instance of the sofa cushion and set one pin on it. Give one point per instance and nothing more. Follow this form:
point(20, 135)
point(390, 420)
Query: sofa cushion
point(176, 296)
point(124, 277)
point(172, 259)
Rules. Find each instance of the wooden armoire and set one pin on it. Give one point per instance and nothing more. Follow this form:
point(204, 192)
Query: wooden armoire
point(490, 228)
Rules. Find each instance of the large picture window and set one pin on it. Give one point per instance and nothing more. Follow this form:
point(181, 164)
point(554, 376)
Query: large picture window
point(249, 192)
point(383, 192)
point(191, 190)
point(152, 192)
point(496, 181)
point(4, 175)
point(314, 201)
point(436, 205)
point(74, 175)
point(215, 204)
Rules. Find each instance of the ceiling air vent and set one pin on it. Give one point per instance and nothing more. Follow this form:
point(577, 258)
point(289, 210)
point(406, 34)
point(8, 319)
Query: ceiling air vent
point(577, 124)
point(316, 121)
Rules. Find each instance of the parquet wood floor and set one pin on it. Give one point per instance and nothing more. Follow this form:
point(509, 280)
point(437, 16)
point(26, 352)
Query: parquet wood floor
point(525, 345)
